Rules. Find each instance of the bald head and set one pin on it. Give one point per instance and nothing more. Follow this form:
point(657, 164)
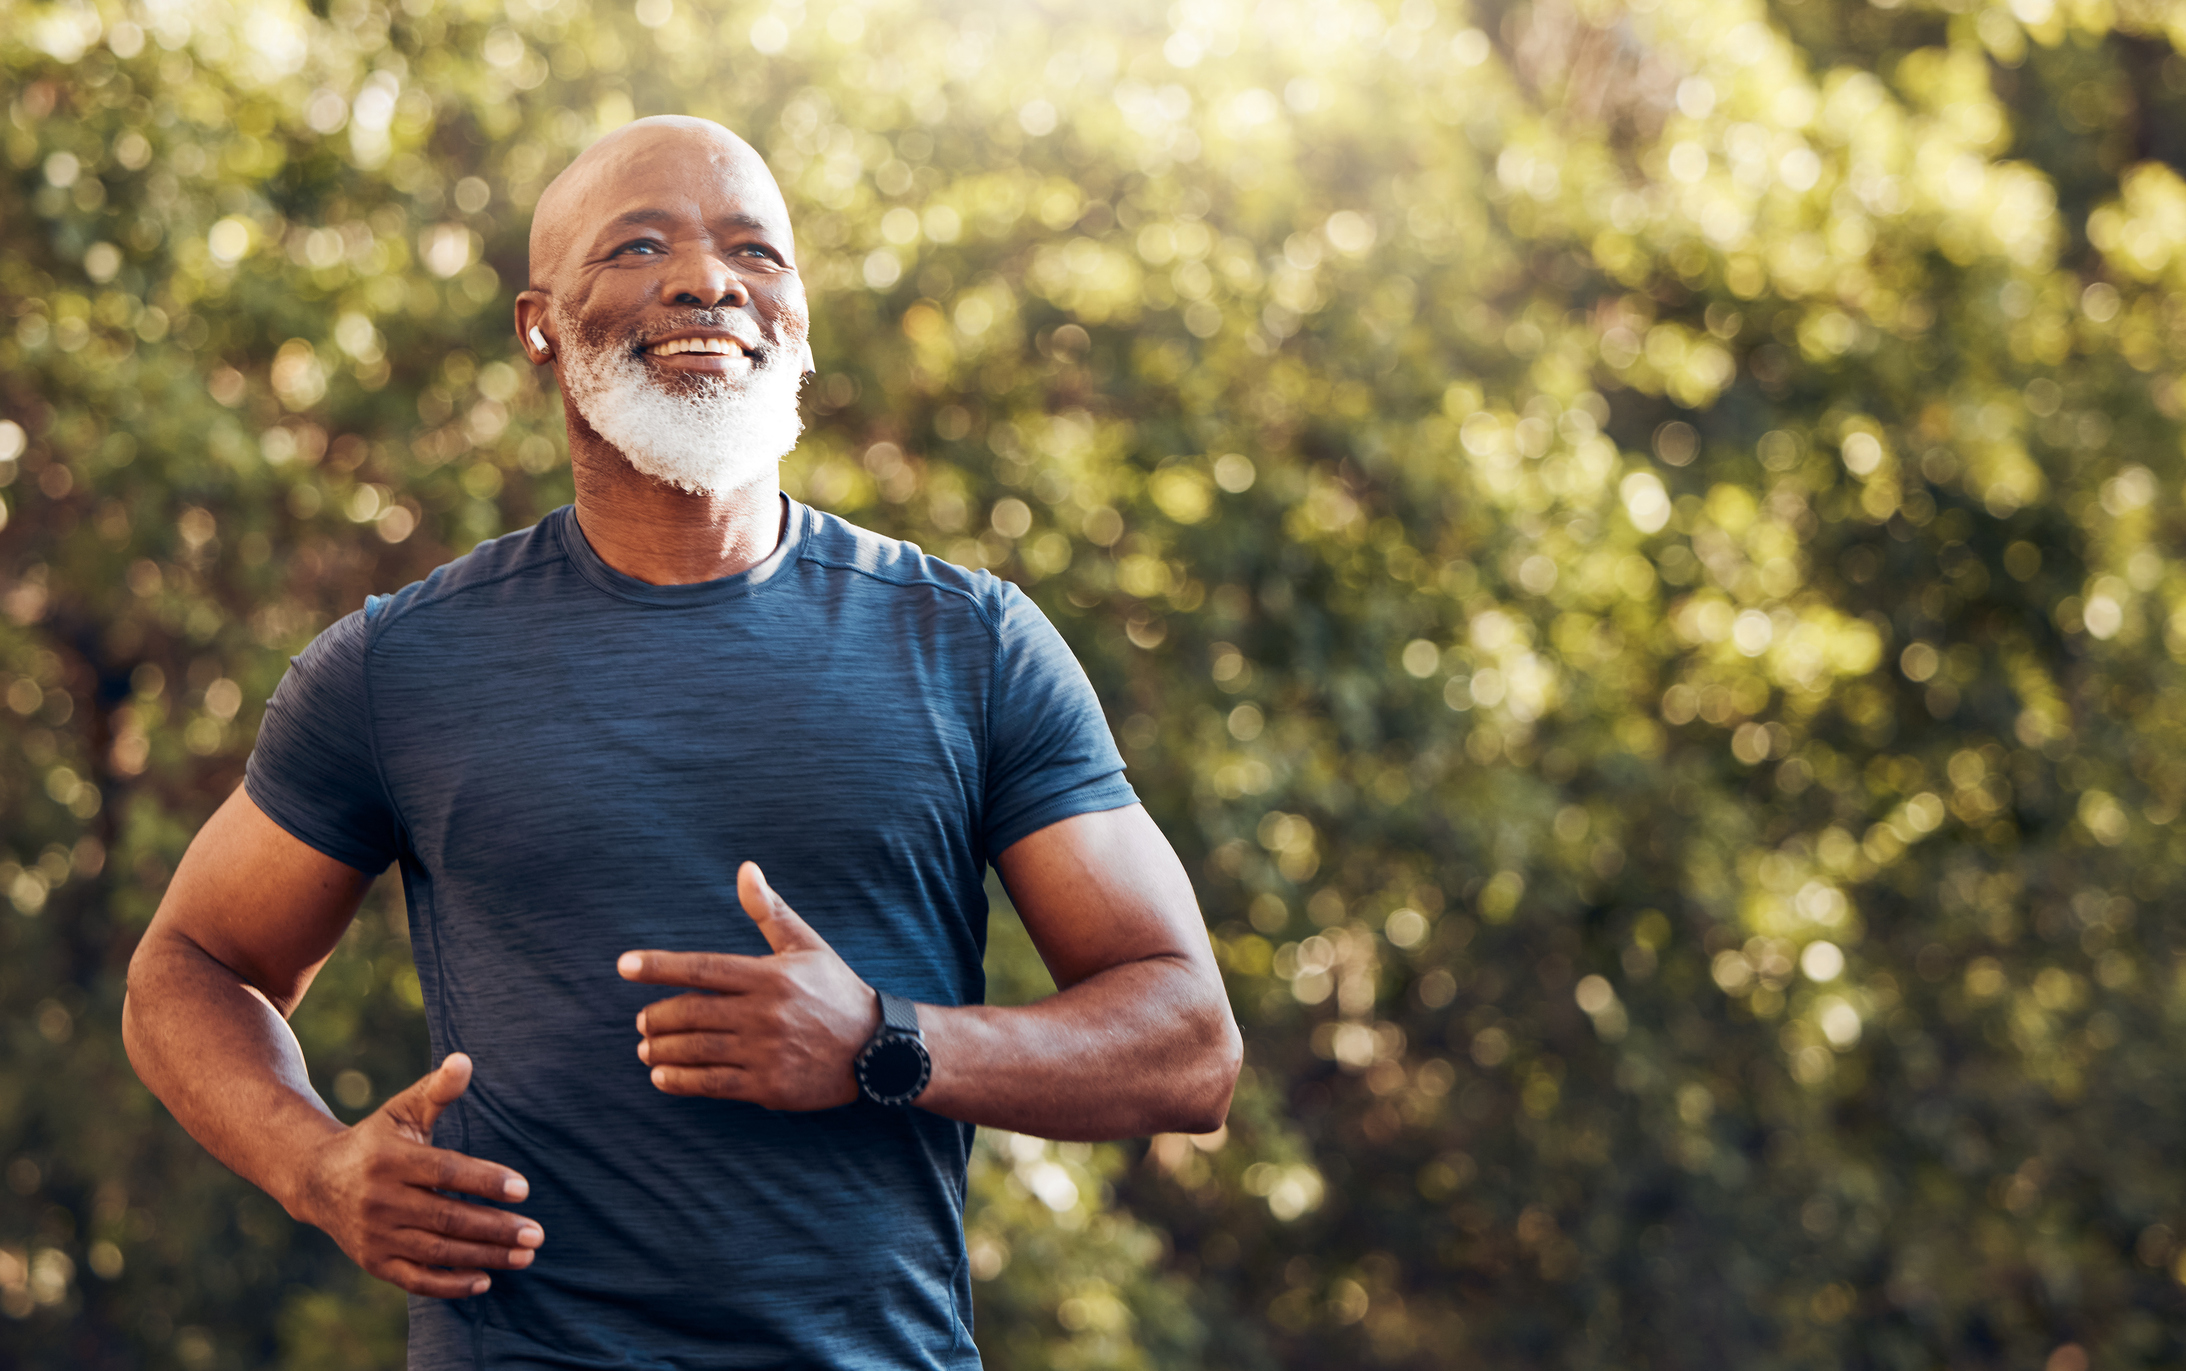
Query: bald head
point(692, 159)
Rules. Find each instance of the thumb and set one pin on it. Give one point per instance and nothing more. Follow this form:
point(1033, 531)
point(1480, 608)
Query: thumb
point(778, 923)
point(417, 1108)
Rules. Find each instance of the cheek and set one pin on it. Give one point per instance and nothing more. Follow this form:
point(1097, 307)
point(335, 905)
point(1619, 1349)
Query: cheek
point(783, 307)
point(604, 306)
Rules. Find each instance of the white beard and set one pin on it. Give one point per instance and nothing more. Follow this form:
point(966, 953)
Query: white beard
point(721, 434)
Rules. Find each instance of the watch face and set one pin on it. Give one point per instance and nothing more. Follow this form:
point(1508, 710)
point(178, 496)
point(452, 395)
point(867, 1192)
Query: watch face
point(893, 1068)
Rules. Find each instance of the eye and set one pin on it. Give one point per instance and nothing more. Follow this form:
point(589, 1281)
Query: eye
point(644, 245)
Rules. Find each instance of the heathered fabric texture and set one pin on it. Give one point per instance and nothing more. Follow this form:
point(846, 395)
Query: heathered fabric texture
point(570, 763)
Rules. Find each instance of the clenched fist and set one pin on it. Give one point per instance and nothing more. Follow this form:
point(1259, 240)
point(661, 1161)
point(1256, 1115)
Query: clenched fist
point(780, 1031)
point(373, 1188)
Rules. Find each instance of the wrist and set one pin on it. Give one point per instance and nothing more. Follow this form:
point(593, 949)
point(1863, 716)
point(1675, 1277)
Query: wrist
point(893, 1068)
point(298, 1181)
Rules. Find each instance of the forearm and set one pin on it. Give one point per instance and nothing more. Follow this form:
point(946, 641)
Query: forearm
point(224, 1062)
point(1141, 1048)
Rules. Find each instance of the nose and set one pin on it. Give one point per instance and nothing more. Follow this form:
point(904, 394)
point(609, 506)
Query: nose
point(699, 279)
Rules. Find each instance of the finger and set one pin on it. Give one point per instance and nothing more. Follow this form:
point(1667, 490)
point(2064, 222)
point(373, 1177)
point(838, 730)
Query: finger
point(439, 1285)
point(417, 1107)
point(718, 1082)
point(446, 1085)
point(438, 1249)
point(724, 972)
point(470, 1222)
point(700, 1013)
point(691, 1049)
point(778, 923)
point(436, 1168)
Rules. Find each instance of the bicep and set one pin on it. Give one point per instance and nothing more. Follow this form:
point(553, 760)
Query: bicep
point(1101, 889)
point(259, 900)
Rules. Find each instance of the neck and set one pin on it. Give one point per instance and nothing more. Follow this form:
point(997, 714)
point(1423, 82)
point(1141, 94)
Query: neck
point(664, 536)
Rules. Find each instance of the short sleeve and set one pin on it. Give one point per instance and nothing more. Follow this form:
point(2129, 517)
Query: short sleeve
point(1049, 752)
point(312, 770)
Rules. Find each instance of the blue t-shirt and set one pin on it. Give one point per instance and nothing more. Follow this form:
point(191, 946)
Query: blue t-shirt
point(570, 763)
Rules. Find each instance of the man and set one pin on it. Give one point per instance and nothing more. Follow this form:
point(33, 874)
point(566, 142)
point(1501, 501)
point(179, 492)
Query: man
point(582, 743)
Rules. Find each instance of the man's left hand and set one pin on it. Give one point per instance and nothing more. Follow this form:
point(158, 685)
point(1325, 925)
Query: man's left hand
point(779, 1031)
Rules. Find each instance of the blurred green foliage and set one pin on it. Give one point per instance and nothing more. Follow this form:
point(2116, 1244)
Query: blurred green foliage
point(1634, 549)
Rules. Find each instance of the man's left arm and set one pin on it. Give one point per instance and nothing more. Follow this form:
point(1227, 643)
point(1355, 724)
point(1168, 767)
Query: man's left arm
point(1138, 1039)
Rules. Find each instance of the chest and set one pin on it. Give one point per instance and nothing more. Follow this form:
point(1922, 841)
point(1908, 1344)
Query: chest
point(679, 749)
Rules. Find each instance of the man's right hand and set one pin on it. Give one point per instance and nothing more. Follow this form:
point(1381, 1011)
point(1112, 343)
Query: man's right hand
point(373, 1188)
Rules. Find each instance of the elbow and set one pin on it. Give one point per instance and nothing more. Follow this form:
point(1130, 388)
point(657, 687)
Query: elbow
point(143, 969)
point(1225, 1061)
point(136, 1040)
point(1209, 1108)
point(138, 996)
point(132, 1038)
point(1201, 1104)
point(155, 984)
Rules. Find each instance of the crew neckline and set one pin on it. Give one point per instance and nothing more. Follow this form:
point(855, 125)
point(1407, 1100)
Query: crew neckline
point(796, 527)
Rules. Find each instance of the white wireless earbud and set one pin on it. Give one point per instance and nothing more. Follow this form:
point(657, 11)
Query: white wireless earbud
point(538, 339)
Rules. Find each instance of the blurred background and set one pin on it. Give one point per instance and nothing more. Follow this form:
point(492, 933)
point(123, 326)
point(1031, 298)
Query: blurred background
point(1632, 548)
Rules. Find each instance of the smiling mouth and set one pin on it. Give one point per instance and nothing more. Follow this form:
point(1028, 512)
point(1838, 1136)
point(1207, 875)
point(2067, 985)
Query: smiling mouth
point(711, 347)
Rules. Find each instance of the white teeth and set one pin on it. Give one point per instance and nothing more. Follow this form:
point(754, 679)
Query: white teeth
point(720, 347)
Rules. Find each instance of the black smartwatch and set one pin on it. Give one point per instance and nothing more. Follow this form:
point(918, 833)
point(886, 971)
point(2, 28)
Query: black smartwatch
point(893, 1066)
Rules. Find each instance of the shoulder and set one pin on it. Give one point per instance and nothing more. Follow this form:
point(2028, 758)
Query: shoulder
point(331, 665)
point(492, 563)
point(892, 567)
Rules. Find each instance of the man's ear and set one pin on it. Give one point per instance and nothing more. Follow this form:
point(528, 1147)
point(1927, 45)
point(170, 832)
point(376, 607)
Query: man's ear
point(533, 326)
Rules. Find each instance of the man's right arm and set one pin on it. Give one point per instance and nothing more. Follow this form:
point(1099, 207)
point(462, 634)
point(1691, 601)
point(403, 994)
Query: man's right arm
point(251, 915)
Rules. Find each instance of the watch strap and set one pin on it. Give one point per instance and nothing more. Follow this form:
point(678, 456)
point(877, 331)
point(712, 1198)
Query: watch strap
point(898, 1013)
